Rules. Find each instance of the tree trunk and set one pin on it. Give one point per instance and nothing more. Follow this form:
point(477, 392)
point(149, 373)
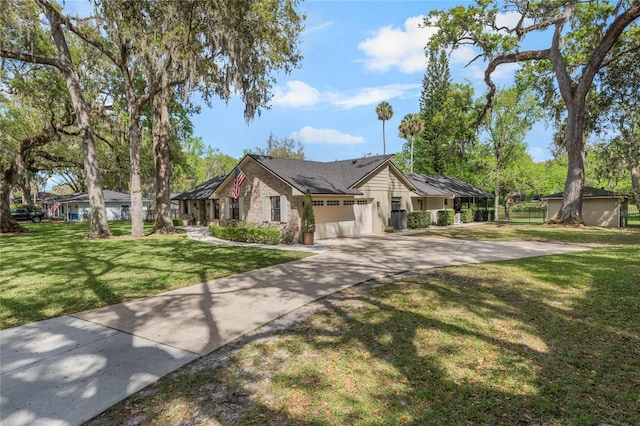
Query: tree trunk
point(162, 154)
point(8, 179)
point(412, 139)
point(99, 226)
point(137, 214)
point(496, 204)
point(633, 154)
point(25, 189)
point(384, 140)
point(635, 178)
point(571, 209)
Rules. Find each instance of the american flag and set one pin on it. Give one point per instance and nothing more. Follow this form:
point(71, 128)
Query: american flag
point(55, 206)
point(237, 182)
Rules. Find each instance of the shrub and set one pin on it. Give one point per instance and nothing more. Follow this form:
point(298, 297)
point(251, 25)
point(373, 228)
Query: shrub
point(418, 219)
point(481, 215)
point(29, 207)
point(288, 235)
point(446, 217)
point(308, 219)
point(247, 234)
point(466, 215)
point(389, 229)
point(177, 222)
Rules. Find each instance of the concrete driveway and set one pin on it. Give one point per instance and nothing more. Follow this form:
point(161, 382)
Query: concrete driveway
point(67, 370)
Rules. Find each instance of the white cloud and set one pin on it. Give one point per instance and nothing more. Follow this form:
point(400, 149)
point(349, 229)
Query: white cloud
point(502, 72)
point(320, 27)
point(510, 20)
point(401, 48)
point(312, 135)
point(373, 95)
point(464, 55)
point(296, 94)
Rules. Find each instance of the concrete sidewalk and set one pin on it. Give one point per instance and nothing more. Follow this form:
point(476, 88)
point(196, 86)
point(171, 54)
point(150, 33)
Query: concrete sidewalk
point(67, 370)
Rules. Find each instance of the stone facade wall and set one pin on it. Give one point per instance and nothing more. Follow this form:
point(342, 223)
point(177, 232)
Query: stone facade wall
point(261, 183)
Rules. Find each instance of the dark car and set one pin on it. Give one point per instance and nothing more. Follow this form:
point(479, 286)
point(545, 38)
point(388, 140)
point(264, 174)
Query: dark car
point(23, 213)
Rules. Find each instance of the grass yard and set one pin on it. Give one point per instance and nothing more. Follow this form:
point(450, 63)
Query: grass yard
point(541, 341)
point(54, 270)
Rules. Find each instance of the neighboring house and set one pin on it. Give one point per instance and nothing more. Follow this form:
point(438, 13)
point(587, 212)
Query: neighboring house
point(350, 197)
point(599, 207)
point(197, 206)
point(75, 207)
point(444, 193)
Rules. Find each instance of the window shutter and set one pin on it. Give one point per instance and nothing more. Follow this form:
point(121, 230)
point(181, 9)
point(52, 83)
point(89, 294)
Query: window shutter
point(283, 208)
point(265, 209)
point(227, 209)
point(241, 208)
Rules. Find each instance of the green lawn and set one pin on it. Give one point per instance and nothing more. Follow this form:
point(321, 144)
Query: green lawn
point(54, 270)
point(551, 340)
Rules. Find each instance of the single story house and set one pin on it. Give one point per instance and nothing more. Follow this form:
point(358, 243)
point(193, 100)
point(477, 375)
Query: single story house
point(350, 197)
point(599, 207)
point(75, 207)
point(197, 205)
point(445, 193)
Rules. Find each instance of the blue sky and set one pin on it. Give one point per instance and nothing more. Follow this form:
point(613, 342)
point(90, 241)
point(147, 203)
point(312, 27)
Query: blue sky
point(356, 54)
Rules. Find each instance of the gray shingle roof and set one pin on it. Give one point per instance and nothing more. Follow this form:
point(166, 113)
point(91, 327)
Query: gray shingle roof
point(429, 185)
point(587, 192)
point(336, 177)
point(109, 196)
point(202, 191)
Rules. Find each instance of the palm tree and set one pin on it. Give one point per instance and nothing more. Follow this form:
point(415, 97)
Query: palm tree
point(409, 127)
point(385, 112)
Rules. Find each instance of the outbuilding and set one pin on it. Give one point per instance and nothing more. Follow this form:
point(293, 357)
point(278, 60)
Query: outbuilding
point(599, 207)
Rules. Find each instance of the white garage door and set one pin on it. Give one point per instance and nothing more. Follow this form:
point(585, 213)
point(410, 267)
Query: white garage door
point(344, 219)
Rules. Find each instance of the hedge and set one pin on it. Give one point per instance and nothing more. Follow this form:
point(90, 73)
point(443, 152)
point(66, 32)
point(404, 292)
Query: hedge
point(483, 215)
point(418, 219)
point(466, 215)
point(178, 222)
point(446, 217)
point(246, 234)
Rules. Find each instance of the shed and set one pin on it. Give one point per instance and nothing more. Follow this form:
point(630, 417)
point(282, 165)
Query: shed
point(599, 207)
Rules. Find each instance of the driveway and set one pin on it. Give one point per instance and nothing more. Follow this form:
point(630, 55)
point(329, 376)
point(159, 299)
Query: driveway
point(67, 370)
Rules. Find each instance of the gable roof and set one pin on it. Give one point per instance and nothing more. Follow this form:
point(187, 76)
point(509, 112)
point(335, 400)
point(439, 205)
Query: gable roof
point(430, 185)
point(202, 191)
point(336, 177)
point(109, 196)
point(588, 192)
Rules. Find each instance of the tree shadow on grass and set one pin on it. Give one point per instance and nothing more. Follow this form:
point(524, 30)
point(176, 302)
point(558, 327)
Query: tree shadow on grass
point(470, 345)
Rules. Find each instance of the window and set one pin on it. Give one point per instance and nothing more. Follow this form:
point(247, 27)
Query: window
point(216, 209)
point(362, 202)
point(348, 202)
point(318, 202)
point(333, 202)
point(235, 208)
point(446, 201)
point(420, 204)
point(395, 203)
point(186, 207)
point(275, 209)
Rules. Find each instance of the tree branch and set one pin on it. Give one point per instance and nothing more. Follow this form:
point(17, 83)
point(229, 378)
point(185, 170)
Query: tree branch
point(26, 57)
point(507, 58)
point(606, 43)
